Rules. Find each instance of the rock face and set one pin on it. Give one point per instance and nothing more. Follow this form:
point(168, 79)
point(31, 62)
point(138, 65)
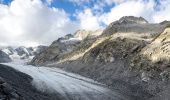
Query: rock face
point(134, 24)
point(55, 50)
point(65, 46)
point(159, 49)
point(131, 20)
point(37, 50)
point(82, 34)
point(7, 92)
point(131, 55)
point(4, 57)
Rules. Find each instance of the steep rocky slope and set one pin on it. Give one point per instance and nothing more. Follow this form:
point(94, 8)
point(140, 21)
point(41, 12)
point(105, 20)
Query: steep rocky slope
point(138, 29)
point(131, 55)
point(4, 57)
point(66, 46)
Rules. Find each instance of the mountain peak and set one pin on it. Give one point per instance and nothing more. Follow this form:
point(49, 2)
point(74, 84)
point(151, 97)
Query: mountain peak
point(82, 34)
point(131, 20)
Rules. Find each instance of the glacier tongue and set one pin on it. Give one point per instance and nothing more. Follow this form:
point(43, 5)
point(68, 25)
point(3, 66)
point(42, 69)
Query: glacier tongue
point(70, 86)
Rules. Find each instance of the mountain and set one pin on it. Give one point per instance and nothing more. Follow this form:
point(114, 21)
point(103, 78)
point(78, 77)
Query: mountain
point(136, 27)
point(4, 57)
point(130, 55)
point(131, 20)
point(64, 46)
point(22, 52)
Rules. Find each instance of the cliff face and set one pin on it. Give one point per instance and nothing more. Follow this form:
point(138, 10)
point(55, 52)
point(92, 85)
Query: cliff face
point(158, 50)
point(4, 57)
point(66, 46)
point(131, 55)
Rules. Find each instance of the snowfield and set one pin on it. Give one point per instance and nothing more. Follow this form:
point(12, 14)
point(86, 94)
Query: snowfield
point(70, 86)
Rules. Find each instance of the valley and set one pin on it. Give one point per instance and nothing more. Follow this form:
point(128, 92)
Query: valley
point(128, 60)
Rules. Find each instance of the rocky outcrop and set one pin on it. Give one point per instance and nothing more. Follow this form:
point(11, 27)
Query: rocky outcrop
point(82, 34)
point(134, 24)
point(54, 51)
point(37, 50)
point(131, 20)
point(7, 92)
point(159, 49)
point(4, 57)
point(66, 46)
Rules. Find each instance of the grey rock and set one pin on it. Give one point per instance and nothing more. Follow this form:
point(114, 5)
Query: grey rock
point(4, 57)
point(145, 76)
point(6, 88)
point(131, 20)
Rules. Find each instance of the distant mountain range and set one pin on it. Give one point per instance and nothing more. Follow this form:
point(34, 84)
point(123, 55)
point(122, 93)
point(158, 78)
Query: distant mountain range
point(9, 54)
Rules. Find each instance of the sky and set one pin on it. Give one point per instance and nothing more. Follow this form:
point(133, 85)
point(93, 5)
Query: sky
point(40, 22)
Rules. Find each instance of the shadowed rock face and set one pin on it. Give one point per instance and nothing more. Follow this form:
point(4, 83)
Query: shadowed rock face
point(66, 46)
point(4, 57)
point(54, 51)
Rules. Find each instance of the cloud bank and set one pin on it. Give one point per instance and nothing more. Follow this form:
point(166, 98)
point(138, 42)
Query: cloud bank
point(31, 22)
point(149, 9)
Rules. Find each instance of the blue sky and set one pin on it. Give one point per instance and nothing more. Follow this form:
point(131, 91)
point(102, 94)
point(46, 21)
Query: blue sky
point(33, 22)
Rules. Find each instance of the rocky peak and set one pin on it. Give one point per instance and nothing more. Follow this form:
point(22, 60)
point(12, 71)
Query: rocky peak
point(82, 34)
point(131, 20)
point(22, 50)
point(165, 22)
point(133, 24)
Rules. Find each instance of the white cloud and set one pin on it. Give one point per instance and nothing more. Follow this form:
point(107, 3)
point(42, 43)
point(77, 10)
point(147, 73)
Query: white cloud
point(163, 14)
point(49, 2)
point(131, 8)
point(110, 2)
point(87, 20)
point(32, 22)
